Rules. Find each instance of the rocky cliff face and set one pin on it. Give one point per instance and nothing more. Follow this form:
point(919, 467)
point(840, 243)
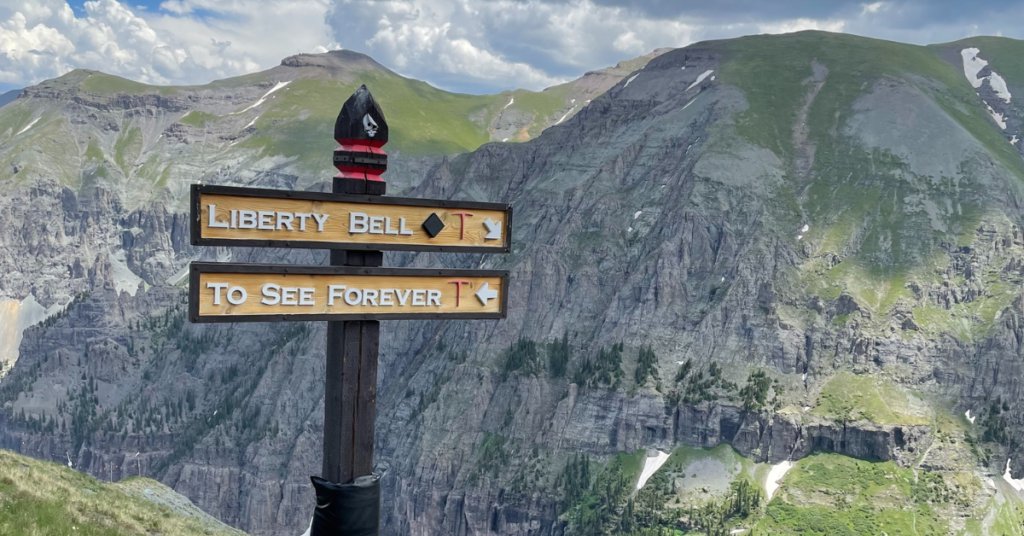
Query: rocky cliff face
point(734, 207)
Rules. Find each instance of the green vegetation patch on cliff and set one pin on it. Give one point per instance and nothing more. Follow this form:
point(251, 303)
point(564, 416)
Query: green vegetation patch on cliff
point(197, 119)
point(771, 71)
point(833, 495)
point(106, 84)
point(967, 321)
point(861, 203)
point(543, 105)
point(849, 396)
point(127, 149)
point(14, 117)
point(1005, 516)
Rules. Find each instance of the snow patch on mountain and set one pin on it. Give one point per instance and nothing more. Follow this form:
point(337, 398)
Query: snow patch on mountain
point(651, 466)
point(566, 115)
point(973, 65)
point(1017, 483)
point(999, 86)
point(263, 99)
point(775, 475)
point(28, 126)
point(998, 117)
point(700, 78)
point(631, 78)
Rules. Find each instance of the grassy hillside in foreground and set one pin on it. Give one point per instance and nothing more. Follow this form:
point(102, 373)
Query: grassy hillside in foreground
point(41, 498)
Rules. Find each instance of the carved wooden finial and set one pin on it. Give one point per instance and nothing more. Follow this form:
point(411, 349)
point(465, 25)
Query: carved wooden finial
point(361, 121)
point(361, 131)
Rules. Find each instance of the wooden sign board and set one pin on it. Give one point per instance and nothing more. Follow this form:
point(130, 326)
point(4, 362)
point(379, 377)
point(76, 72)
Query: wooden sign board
point(224, 292)
point(230, 216)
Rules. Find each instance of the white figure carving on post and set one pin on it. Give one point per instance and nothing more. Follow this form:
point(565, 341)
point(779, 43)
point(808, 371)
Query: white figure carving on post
point(369, 125)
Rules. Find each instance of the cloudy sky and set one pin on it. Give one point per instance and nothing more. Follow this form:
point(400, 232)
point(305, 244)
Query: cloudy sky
point(473, 46)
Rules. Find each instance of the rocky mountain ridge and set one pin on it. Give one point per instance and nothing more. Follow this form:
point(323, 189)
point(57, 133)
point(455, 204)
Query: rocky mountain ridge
point(787, 244)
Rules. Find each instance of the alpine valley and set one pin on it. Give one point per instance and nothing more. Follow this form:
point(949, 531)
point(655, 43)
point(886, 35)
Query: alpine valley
point(768, 285)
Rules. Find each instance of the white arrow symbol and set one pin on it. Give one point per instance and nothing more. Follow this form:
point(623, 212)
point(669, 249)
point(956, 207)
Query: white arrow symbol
point(486, 294)
point(493, 230)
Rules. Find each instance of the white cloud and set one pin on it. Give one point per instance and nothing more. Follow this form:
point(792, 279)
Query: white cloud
point(490, 45)
point(499, 43)
point(799, 25)
point(176, 6)
point(426, 36)
point(466, 45)
point(32, 49)
point(44, 38)
point(628, 42)
point(459, 44)
point(872, 8)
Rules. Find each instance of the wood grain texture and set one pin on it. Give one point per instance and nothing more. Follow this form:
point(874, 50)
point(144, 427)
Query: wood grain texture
point(349, 398)
point(334, 430)
point(366, 400)
point(401, 286)
point(336, 228)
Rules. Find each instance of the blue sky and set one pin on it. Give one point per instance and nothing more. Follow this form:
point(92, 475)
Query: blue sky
point(472, 46)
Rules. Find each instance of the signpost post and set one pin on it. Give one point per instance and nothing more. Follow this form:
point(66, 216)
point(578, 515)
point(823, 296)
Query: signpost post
point(353, 294)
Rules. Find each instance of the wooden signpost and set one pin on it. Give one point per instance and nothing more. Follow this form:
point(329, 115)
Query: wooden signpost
point(352, 294)
point(229, 216)
point(263, 293)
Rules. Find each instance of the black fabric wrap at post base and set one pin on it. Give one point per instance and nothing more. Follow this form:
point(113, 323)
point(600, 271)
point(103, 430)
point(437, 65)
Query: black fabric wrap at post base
point(347, 509)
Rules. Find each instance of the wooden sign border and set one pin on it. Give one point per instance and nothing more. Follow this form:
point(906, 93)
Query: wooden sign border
point(195, 216)
point(197, 268)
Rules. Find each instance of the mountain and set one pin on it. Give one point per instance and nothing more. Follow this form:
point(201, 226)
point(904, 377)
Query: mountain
point(143, 144)
point(9, 96)
point(47, 498)
point(784, 267)
point(90, 124)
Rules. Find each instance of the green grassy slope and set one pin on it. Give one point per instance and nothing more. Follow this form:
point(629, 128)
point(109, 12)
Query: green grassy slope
point(1005, 55)
point(292, 128)
point(832, 495)
point(41, 498)
point(853, 197)
point(300, 121)
point(771, 71)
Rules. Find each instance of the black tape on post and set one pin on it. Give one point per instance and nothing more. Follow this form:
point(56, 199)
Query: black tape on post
point(347, 509)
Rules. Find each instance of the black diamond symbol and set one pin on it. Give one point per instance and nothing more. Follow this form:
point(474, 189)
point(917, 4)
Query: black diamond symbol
point(433, 225)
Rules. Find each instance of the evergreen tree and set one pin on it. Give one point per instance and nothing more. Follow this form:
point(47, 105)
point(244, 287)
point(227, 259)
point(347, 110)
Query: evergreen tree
point(558, 355)
point(646, 365)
